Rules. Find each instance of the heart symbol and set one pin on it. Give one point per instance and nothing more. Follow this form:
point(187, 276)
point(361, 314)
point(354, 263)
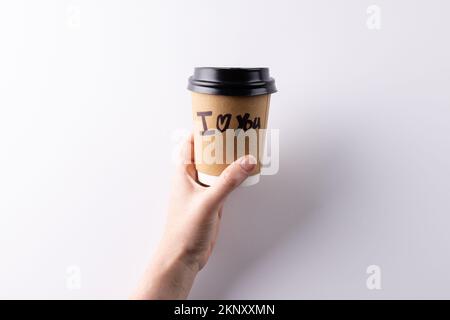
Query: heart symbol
point(223, 122)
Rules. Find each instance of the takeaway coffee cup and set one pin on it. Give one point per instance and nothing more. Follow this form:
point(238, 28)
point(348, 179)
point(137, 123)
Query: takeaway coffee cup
point(230, 108)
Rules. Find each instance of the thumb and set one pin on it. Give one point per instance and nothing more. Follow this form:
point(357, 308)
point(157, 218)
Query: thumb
point(230, 179)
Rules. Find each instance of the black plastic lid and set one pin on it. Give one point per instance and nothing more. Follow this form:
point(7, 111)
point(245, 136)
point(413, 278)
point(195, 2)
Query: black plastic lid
point(232, 81)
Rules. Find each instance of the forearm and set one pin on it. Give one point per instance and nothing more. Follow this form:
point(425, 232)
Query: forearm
point(168, 277)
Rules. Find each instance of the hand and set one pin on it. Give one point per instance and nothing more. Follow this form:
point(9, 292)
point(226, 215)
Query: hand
point(192, 227)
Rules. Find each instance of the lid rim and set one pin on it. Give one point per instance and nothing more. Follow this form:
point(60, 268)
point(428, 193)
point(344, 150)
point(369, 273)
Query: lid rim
point(232, 81)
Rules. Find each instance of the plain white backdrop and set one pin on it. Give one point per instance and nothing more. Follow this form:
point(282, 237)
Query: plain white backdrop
point(91, 93)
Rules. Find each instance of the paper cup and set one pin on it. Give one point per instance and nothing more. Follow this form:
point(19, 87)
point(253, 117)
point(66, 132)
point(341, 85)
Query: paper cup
point(230, 108)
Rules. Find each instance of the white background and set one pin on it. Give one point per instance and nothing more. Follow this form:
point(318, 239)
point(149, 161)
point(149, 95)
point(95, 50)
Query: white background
point(91, 93)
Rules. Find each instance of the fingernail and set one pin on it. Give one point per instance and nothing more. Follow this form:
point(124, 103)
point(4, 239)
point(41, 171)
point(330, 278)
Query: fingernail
point(248, 163)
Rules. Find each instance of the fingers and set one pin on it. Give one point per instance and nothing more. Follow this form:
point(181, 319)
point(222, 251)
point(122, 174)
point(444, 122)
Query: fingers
point(230, 179)
point(187, 150)
point(187, 156)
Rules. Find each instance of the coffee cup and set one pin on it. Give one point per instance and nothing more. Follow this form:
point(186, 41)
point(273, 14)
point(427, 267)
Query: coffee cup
point(230, 108)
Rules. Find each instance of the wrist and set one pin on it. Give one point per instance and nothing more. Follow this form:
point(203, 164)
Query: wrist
point(166, 281)
point(179, 254)
point(169, 260)
point(169, 276)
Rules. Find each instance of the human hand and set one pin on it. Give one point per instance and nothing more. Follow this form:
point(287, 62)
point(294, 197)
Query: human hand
point(192, 227)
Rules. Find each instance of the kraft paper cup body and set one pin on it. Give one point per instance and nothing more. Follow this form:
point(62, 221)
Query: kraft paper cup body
point(225, 128)
point(230, 108)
